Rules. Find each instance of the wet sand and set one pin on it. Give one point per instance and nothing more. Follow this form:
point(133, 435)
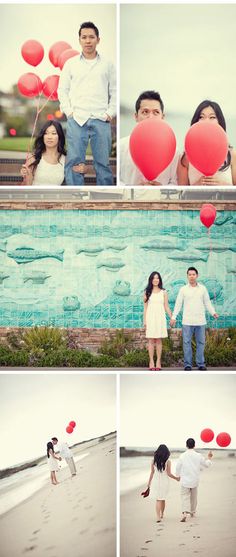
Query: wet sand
point(211, 533)
point(74, 518)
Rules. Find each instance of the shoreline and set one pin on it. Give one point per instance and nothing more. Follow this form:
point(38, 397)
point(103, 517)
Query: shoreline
point(59, 519)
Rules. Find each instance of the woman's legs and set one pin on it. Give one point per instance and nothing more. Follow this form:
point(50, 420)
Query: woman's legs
point(159, 510)
point(54, 478)
point(159, 351)
point(151, 347)
point(163, 504)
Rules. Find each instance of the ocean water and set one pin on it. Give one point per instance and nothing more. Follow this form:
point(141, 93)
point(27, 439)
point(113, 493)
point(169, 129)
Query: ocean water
point(83, 268)
point(135, 471)
point(22, 485)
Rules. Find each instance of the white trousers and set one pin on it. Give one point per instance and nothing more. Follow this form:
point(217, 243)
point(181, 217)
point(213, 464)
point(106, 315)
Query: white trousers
point(189, 499)
point(71, 464)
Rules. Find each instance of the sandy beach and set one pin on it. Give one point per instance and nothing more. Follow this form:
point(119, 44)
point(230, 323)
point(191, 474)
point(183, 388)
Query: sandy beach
point(211, 532)
point(74, 518)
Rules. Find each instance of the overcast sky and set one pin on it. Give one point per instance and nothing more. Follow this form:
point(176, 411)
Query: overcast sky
point(33, 408)
point(169, 409)
point(49, 24)
point(185, 51)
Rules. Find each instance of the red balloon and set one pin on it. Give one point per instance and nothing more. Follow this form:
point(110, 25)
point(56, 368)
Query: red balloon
point(12, 131)
point(55, 51)
point(32, 52)
point(223, 439)
point(152, 146)
point(207, 435)
point(206, 146)
point(30, 85)
point(72, 424)
point(69, 429)
point(208, 214)
point(65, 55)
point(50, 86)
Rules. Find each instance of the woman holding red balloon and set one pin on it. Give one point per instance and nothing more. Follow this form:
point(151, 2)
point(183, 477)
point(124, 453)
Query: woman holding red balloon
point(46, 166)
point(155, 307)
point(208, 159)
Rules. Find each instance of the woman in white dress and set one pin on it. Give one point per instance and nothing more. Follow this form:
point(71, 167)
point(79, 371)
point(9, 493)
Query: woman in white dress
point(161, 470)
point(226, 175)
point(45, 167)
point(155, 308)
point(52, 462)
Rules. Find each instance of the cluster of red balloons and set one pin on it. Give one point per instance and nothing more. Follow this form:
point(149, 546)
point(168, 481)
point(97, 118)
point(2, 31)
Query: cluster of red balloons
point(223, 439)
point(208, 214)
point(152, 146)
point(206, 146)
point(70, 427)
point(29, 84)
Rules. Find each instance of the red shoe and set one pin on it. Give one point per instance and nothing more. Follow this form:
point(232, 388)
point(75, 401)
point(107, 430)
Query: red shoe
point(157, 368)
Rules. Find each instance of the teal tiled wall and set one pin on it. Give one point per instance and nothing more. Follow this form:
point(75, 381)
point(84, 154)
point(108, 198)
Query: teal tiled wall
point(88, 268)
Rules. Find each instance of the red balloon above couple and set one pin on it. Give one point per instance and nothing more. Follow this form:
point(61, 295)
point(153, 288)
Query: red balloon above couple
point(223, 439)
point(70, 427)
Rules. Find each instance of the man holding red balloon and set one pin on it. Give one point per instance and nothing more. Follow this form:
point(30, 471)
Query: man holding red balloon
point(188, 467)
point(194, 298)
point(86, 92)
point(148, 155)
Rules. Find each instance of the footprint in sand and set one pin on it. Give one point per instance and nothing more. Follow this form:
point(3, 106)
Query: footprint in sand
point(196, 536)
point(33, 539)
point(30, 548)
point(83, 531)
point(36, 531)
point(184, 531)
point(87, 508)
point(181, 544)
point(148, 541)
point(144, 548)
point(50, 547)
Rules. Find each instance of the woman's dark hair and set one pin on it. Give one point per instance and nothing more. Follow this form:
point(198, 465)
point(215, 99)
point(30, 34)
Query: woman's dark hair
point(39, 146)
point(49, 446)
point(161, 456)
point(149, 288)
point(221, 121)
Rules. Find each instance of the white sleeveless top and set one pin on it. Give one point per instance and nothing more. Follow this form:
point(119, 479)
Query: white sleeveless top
point(47, 174)
point(224, 175)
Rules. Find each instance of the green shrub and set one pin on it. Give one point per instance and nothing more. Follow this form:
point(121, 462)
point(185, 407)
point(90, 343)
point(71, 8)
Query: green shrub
point(104, 360)
point(14, 359)
point(136, 358)
point(116, 345)
point(44, 338)
point(80, 358)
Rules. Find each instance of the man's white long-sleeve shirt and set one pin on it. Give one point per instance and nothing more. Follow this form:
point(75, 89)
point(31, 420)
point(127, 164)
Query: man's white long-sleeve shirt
point(189, 466)
point(88, 88)
point(195, 299)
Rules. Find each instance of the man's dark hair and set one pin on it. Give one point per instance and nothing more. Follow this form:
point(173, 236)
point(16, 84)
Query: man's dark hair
point(152, 95)
point(192, 269)
point(54, 438)
point(88, 25)
point(190, 443)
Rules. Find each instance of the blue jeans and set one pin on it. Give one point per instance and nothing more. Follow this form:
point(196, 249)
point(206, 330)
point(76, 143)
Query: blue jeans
point(188, 331)
point(99, 134)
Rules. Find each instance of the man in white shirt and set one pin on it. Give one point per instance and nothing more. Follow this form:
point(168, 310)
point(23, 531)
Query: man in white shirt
point(86, 92)
point(148, 105)
point(188, 467)
point(195, 298)
point(67, 454)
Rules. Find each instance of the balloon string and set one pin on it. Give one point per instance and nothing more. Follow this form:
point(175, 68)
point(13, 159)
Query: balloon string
point(38, 110)
point(210, 257)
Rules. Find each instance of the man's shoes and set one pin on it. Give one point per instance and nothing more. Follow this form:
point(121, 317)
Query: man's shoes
point(202, 368)
point(187, 368)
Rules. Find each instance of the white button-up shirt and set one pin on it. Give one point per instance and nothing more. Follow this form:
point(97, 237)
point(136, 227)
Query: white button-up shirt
point(88, 88)
point(130, 175)
point(195, 299)
point(65, 452)
point(189, 466)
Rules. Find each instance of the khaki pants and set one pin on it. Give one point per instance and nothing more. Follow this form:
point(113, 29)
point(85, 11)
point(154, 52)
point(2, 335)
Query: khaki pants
point(189, 499)
point(71, 464)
